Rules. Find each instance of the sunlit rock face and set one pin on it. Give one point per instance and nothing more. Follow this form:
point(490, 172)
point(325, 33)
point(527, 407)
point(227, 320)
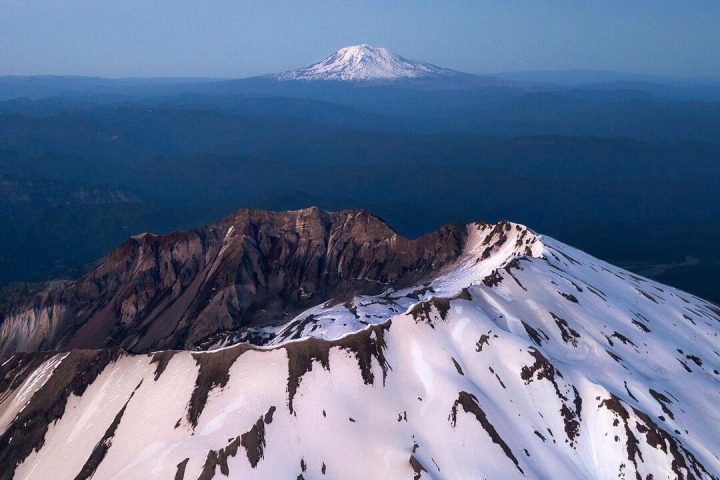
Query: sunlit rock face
point(253, 269)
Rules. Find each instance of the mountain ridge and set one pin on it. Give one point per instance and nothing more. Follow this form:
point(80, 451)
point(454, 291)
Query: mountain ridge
point(522, 356)
point(252, 267)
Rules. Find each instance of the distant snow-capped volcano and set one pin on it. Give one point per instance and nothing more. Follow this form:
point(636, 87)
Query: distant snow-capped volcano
point(363, 62)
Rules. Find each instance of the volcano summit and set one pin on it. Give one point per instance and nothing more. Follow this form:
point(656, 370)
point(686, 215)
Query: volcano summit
point(311, 344)
point(362, 63)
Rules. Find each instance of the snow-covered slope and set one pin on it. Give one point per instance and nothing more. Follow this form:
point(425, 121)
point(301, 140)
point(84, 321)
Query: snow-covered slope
point(363, 62)
point(525, 358)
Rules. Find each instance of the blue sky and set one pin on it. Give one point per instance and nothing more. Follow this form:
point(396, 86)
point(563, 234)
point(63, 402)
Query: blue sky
point(221, 38)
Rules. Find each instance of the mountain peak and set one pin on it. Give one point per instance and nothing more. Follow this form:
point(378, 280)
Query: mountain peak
point(364, 62)
point(272, 340)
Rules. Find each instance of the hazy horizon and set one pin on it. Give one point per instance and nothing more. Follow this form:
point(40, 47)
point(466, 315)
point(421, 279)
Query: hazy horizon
point(224, 39)
point(640, 76)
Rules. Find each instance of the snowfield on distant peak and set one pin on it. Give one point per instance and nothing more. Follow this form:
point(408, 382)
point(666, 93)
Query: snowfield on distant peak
point(363, 62)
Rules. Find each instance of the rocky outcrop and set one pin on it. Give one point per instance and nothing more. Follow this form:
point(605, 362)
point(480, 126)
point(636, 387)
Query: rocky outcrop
point(254, 268)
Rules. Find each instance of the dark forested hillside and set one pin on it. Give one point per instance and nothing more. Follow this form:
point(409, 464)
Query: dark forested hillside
point(626, 175)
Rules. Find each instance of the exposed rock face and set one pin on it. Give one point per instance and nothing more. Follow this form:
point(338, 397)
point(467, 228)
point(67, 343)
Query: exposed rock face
point(254, 268)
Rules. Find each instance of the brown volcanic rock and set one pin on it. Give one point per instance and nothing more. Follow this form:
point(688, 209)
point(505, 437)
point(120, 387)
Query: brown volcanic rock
point(253, 268)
